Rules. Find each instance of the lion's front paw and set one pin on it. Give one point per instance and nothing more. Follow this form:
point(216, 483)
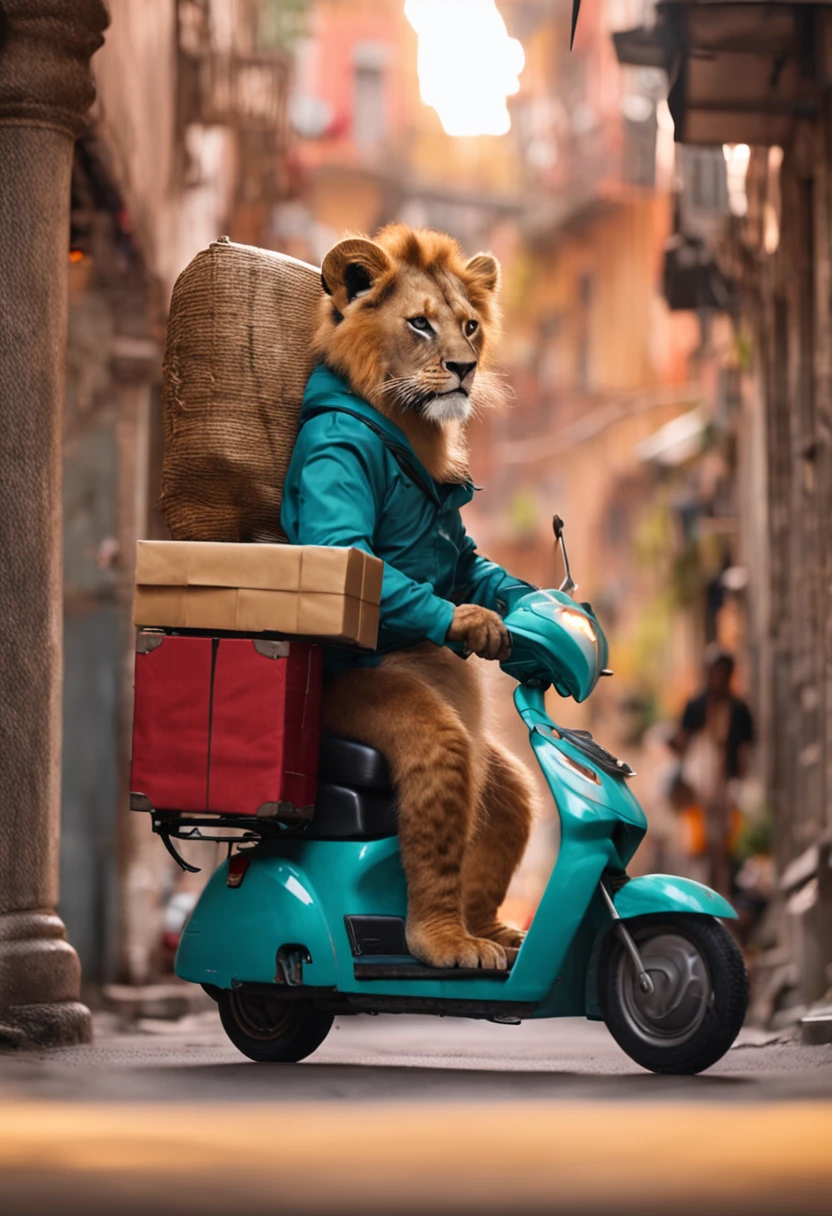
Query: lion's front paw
point(505, 935)
point(508, 936)
point(453, 947)
point(481, 630)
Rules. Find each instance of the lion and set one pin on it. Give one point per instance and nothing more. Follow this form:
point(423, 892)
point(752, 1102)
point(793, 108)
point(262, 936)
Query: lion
point(406, 332)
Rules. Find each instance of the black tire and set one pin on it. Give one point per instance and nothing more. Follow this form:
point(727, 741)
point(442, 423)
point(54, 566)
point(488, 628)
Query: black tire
point(700, 998)
point(280, 1031)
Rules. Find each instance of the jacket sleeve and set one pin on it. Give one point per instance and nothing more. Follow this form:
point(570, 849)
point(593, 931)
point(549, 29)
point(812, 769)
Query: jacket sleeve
point(480, 581)
point(333, 496)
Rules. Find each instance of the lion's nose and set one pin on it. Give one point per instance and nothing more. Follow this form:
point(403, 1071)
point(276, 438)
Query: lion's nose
point(461, 369)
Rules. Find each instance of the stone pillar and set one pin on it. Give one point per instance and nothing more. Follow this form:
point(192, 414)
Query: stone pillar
point(46, 89)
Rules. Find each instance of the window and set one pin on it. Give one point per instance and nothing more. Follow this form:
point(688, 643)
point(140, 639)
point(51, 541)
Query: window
point(586, 291)
point(704, 178)
point(640, 148)
point(369, 110)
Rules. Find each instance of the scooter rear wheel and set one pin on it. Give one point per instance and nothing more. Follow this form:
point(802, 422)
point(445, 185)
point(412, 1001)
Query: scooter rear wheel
point(272, 1031)
point(699, 998)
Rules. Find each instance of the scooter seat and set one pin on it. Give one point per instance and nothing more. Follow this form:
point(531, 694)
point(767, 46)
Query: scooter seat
point(342, 813)
point(346, 762)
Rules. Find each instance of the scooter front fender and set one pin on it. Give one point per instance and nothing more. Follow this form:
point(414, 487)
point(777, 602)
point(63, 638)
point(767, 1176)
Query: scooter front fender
point(234, 934)
point(652, 893)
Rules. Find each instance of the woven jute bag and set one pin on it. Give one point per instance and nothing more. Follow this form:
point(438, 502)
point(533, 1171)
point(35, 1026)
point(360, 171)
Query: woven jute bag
point(237, 359)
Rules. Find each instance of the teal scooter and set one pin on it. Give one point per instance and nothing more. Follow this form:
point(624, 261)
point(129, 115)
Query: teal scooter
point(292, 931)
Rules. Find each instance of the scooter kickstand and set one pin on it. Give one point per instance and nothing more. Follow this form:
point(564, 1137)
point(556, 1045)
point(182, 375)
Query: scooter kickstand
point(644, 981)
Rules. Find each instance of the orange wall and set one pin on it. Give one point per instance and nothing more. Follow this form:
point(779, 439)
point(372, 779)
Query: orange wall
point(417, 145)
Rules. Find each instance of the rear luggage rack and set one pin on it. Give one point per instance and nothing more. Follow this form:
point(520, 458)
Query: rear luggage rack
point(226, 829)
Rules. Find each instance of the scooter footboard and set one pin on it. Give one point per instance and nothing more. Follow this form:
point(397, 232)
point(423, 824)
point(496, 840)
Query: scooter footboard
point(652, 893)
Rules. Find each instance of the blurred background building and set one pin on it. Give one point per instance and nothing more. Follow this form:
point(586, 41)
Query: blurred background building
point(753, 77)
point(659, 201)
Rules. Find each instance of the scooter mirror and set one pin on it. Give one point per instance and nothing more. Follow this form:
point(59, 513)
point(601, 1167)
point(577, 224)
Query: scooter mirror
point(568, 585)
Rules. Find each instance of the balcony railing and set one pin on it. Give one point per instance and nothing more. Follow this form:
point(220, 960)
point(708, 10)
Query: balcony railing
point(228, 80)
point(222, 89)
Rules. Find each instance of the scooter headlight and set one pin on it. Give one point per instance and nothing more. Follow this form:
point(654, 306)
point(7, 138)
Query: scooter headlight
point(577, 622)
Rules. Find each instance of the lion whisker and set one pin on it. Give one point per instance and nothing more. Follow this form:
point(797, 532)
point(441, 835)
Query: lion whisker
point(490, 390)
point(408, 390)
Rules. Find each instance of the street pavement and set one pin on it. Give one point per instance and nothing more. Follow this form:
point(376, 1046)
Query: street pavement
point(411, 1115)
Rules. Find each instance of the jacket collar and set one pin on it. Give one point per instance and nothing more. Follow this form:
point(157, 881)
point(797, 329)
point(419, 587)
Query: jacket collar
point(326, 391)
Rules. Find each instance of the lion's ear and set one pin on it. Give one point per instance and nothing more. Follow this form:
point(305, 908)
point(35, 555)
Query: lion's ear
point(485, 270)
point(351, 267)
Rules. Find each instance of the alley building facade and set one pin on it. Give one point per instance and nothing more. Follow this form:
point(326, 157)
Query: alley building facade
point(754, 78)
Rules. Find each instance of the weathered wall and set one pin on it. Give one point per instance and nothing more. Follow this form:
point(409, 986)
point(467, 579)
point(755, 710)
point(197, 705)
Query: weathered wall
point(178, 196)
point(788, 312)
point(162, 193)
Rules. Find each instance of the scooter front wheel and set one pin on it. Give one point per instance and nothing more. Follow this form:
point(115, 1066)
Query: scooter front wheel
point(272, 1031)
point(699, 998)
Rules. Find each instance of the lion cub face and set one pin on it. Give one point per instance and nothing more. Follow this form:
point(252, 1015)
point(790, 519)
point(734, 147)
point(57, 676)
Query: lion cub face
point(409, 322)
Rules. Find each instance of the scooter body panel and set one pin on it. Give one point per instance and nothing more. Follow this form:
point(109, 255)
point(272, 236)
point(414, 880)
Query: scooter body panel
point(296, 898)
point(301, 897)
point(602, 825)
point(233, 934)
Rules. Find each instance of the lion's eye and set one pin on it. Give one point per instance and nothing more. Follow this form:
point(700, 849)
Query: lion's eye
point(421, 324)
point(471, 327)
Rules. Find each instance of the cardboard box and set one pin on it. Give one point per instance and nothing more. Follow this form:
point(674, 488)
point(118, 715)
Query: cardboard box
point(308, 590)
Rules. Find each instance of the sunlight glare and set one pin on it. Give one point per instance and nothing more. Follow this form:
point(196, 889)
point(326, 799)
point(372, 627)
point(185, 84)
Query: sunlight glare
point(737, 157)
point(467, 63)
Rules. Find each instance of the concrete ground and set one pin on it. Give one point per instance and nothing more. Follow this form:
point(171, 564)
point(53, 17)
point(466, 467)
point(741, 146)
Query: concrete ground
point(411, 1115)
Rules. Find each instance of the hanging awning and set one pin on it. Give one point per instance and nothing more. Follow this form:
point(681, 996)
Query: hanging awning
point(739, 72)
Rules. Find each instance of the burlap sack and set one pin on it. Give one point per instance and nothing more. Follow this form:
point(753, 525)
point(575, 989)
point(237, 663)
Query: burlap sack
point(237, 359)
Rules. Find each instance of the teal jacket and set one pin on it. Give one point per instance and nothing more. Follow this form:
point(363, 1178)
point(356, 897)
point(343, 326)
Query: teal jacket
point(354, 480)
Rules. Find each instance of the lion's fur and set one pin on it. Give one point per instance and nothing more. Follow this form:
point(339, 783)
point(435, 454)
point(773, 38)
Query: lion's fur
point(465, 803)
point(412, 272)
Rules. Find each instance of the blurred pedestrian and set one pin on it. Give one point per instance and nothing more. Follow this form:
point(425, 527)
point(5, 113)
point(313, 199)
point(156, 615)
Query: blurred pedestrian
point(713, 742)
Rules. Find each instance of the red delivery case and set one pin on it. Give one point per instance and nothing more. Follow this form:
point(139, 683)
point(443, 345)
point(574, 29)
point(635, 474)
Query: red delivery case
point(225, 726)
